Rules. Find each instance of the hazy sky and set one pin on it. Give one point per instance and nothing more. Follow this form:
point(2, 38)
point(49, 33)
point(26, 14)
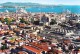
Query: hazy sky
point(65, 2)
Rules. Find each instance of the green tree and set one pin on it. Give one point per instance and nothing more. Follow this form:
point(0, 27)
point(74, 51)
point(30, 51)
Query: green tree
point(53, 22)
point(8, 21)
point(26, 22)
point(23, 21)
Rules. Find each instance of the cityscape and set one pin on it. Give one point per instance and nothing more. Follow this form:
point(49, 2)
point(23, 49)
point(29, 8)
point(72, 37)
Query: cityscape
point(39, 28)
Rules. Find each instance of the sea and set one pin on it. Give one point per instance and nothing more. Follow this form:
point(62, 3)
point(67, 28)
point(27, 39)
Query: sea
point(52, 9)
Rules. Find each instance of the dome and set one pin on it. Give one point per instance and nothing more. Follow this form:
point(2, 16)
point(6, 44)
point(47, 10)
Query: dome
point(21, 10)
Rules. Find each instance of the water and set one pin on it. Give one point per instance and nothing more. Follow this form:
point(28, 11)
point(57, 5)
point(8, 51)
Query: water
point(55, 9)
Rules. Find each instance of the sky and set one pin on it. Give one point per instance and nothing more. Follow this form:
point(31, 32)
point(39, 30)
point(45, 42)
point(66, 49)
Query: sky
point(54, 2)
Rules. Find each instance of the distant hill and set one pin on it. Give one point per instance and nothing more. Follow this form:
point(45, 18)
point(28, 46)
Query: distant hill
point(19, 4)
point(11, 4)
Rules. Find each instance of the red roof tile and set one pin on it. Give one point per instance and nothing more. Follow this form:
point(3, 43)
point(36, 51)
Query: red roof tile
point(33, 49)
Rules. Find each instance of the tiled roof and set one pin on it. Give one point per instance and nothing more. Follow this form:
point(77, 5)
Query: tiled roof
point(33, 49)
point(42, 46)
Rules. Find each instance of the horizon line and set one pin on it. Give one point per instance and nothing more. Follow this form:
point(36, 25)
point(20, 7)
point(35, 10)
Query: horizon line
point(39, 3)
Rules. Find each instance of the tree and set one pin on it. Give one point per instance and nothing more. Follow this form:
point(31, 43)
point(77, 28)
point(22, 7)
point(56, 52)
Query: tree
point(13, 20)
point(52, 22)
point(23, 21)
point(8, 21)
point(26, 22)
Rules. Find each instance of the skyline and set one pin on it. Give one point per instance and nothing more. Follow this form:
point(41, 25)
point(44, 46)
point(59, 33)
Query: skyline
point(50, 2)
